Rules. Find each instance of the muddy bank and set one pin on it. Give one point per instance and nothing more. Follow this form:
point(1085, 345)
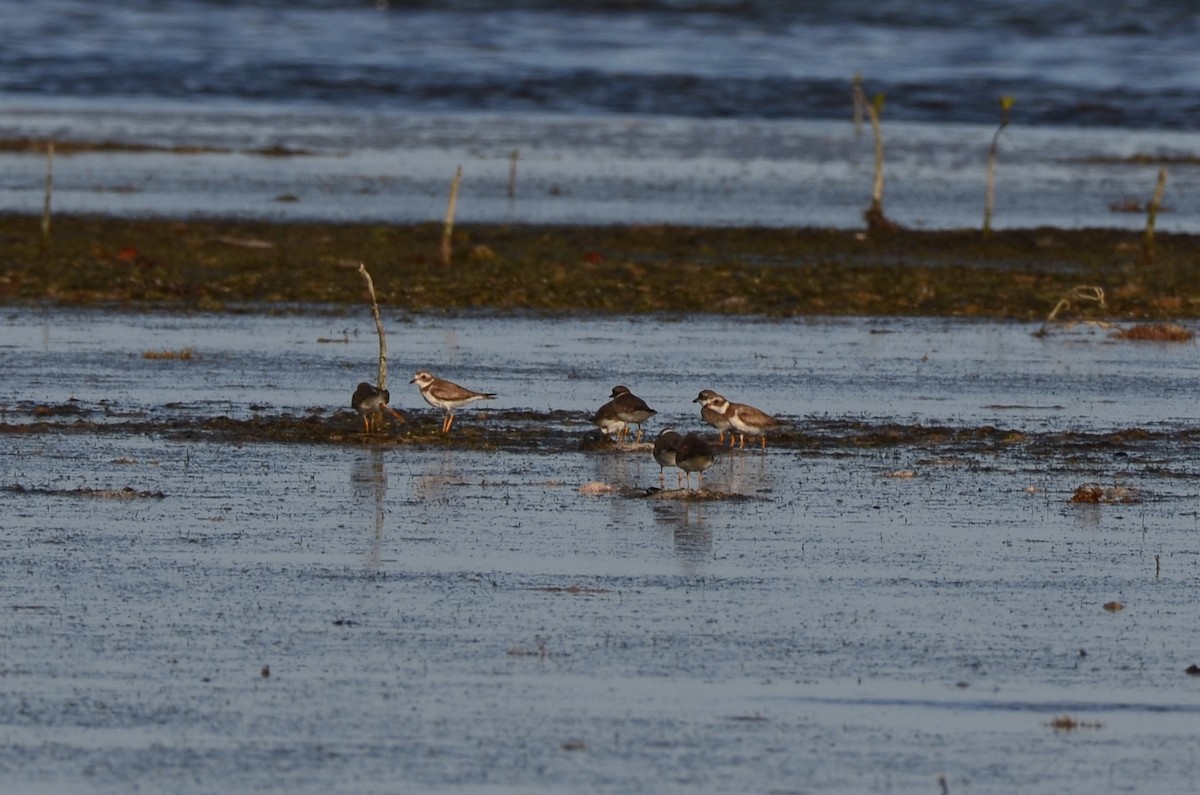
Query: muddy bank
point(224, 265)
point(555, 432)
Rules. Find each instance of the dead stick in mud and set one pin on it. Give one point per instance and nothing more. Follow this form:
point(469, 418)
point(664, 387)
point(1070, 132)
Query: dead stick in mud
point(49, 193)
point(448, 227)
point(512, 173)
point(989, 193)
point(876, 220)
point(1082, 292)
point(362, 270)
point(1151, 215)
point(860, 101)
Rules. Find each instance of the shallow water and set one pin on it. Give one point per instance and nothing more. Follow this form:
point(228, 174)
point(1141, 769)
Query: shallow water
point(391, 167)
point(1069, 62)
point(858, 619)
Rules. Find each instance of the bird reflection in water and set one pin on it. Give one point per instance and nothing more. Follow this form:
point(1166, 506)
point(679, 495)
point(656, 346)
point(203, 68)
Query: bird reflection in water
point(685, 520)
point(368, 478)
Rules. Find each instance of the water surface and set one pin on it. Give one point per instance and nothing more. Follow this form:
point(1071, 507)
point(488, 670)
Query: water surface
point(446, 619)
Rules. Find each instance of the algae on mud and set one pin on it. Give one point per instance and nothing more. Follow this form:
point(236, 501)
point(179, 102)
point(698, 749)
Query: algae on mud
point(220, 265)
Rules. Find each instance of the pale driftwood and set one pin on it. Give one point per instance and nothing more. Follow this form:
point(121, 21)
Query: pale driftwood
point(362, 270)
point(860, 102)
point(451, 209)
point(49, 193)
point(876, 220)
point(1082, 292)
point(989, 194)
point(512, 173)
point(1152, 215)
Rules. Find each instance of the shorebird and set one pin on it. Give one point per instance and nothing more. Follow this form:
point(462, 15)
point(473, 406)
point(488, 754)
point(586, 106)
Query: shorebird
point(713, 417)
point(370, 402)
point(630, 408)
point(665, 446)
point(608, 422)
point(446, 395)
point(742, 418)
point(694, 455)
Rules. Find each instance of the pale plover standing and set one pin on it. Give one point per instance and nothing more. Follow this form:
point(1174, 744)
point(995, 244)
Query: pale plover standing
point(446, 395)
point(694, 455)
point(370, 402)
point(742, 418)
point(713, 417)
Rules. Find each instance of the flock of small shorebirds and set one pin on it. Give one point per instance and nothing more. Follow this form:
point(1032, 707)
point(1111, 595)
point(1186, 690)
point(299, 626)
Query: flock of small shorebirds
point(687, 452)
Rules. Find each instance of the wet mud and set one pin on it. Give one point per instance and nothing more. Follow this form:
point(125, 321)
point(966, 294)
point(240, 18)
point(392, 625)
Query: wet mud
point(206, 265)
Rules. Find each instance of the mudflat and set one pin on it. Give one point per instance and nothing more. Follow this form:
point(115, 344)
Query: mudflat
point(223, 265)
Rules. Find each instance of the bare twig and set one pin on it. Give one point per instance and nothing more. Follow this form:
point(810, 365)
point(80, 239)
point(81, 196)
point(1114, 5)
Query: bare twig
point(362, 270)
point(49, 194)
point(876, 220)
point(1151, 215)
point(860, 102)
point(448, 228)
point(1082, 292)
point(512, 173)
point(989, 197)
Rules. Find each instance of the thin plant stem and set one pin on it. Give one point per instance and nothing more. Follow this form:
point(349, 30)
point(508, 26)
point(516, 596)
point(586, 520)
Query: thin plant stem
point(362, 270)
point(1152, 215)
point(512, 173)
point(860, 102)
point(49, 194)
point(989, 196)
point(876, 220)
point(1082, 292)
point(448, 227)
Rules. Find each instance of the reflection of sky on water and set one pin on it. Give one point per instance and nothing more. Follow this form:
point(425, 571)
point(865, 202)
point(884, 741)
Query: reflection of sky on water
point(902, 370)
point(606, 171)
point(394, 590)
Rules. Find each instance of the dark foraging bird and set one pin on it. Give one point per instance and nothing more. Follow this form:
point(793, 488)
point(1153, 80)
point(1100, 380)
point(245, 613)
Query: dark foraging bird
point(694, 455)
point(665, 446)
point(370, 402)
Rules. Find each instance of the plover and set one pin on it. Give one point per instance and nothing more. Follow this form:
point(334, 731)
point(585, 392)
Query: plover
point(630, 408)
point(693, 455)
point(608, 422)
point(370, 402)
point(665, 445)
point(713, 417)
point(446, 395)
point(742, 418)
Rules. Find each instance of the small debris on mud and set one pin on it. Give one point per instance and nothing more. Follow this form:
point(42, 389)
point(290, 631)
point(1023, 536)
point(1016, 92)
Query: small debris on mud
point(1114, 607)
point(1115, 495)
point(69, 408)
point(596, 487)
point(539, 651)
point(572, 589)
point(127, 493)
point(693, 495)
point(1065, 723)
point(1154, 332)
point(183, 355)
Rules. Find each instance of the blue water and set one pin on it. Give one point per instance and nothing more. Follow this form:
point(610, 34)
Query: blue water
point(710, 112)
point(1078, 62)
